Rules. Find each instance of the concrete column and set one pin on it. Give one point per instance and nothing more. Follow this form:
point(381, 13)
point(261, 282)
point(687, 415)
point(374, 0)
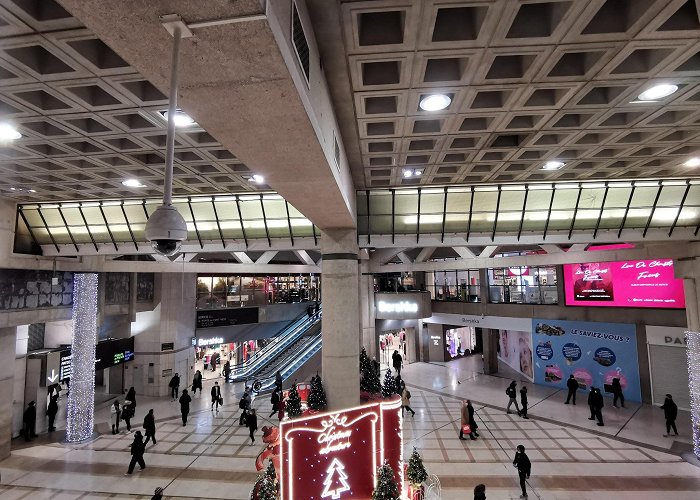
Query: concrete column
point(489, 342)
point(483, 288)
point(341, 320)
point(367, 317)
point(7, 376)
point(8, 211)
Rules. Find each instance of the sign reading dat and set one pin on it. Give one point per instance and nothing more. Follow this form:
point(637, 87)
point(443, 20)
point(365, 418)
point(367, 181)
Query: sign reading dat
point(335, 455)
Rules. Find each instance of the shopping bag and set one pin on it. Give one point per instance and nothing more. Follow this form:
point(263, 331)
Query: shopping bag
point(466, 429)
point(221, 401)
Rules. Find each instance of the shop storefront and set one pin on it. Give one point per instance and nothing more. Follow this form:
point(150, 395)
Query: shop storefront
point(448, 342)
point(668, 364)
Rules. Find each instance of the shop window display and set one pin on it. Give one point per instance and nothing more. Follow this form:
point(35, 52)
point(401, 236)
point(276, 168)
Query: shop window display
point(459, 342)
point(214, 292)
point(390, 341)
point(523, 285)
point(461, 286)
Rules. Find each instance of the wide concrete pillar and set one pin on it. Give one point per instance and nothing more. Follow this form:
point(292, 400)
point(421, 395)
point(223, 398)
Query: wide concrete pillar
point(7, 376)
point(489, 343)
point(367, 317)
point(341, 320)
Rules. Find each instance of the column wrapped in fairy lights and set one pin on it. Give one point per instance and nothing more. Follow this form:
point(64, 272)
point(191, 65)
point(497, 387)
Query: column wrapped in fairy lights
point(81, 400)
point(693, 341)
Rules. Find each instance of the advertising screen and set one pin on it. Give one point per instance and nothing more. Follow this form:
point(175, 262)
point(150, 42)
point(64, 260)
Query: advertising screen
point(594, 353)
point(633, 283)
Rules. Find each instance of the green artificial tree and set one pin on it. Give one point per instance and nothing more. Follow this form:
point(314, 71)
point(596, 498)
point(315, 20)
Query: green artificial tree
point(317, 396)
point(369, 381)
point(293, 403)
point(416, 472)
point(386, 488)
point(267, 486)
point(389, 387)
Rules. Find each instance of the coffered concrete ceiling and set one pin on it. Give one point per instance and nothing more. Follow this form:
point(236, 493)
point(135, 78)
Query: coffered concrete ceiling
point(530, 81)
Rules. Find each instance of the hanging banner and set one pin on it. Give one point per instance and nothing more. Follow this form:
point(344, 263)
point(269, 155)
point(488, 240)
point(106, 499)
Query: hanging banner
point(335, 455)
point(594, 353)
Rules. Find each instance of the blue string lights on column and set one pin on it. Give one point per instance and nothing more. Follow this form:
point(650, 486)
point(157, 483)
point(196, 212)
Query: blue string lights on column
point(81, 399)
point(693, 341)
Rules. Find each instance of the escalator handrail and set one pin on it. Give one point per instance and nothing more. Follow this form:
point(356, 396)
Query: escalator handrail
point(309, 350)
point(284, 356)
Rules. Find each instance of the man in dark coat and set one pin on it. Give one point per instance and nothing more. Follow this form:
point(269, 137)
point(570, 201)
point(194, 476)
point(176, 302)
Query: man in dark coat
point(512, 393)
point(598, 404)
point(227, 371)
point(617, 392)
point(670, 413)
point(572, 385)
point(244, 405)
point(522, 463)
point(397, 362)
point(174, 386)
point(251, 422)
point(185, 400)
point(149, 425)
point(51, 412)
point(523, 402)
point(29, 421)
point(215, 396)
point(591, 403)
point(137, 449)
point(275, 400)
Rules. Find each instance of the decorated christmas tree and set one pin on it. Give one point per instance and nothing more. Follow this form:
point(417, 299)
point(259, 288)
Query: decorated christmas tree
point(389, 387)
point(317, 396)
point(416, 472)
point(370, 378)
point(266, 487)
point(293, 403)
point(386, 488)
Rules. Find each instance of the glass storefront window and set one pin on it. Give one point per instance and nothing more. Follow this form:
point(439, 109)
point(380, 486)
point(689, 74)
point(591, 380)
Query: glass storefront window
point(462, 286)
point(238, 291)
point(523, 285)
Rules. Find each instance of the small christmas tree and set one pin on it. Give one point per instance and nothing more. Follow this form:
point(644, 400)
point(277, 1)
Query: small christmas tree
point(369, 381)
point(389, 387)
point(386, 488)
point(317, 396)
point(364, 368)
point(267, 486)
point(293, 403)
point(416, 472)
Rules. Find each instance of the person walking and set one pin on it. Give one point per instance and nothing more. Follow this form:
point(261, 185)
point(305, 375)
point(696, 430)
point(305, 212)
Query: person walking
point(51, 412)
point(523, 402)
point(572, 385)
point(397, 362)
point(406, 401)
point(466, 421)
point(310, 311)
point(29, 421)
point(251, 421)
point(127, 413)
point(197, 382)
point(131, 396)
point(596, 402)
point(522, 463)
point(114, 415)
point(278, 380)
point(174, 386)
point(512, 393)
point(137, 450)
point(215, 396)
point(275, 400)
point(244, 405)
point(617, 392)
point(185, 401)
point(317, 309)
point(149, 425)
point(480, 492)
point(227, 371)
point(282, 407)
point(670, 413)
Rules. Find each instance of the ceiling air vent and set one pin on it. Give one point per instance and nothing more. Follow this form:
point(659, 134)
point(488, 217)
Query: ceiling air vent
point(301, 46)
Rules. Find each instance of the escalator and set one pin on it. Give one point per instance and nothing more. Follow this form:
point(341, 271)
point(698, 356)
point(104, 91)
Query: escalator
point(291, 337)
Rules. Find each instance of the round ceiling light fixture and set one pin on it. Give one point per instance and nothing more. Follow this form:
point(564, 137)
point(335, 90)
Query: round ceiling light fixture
point(435, 102)
point(258, 179)
point(692, 162)
point(181, 118)
point(133, 183)
point(658, 92)
point(8, 132)
point(553, 165)
point(407, 172)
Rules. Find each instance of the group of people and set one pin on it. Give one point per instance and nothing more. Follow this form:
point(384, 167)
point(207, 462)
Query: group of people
point(512, 394)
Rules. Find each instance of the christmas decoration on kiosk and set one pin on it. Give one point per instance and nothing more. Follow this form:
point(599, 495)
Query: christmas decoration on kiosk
point(266, 487)
point(293, 403)
point(416, 474)
point(80, 409)
point(389, 388)
point(369, 378)
point(317, 396)
point(387, 488)
point(692, 339)
point(271, 438)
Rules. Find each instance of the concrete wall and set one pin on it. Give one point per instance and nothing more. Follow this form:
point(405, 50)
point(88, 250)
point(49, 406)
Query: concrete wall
point(57, 333)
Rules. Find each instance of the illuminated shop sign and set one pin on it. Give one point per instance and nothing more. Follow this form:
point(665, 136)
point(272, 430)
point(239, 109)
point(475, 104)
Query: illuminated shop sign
point(335, 455)
point(397, 307)
point(210, 341)
point(405, 305)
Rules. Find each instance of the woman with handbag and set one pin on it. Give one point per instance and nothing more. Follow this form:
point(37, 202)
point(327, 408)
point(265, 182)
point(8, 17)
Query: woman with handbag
point(467, 420)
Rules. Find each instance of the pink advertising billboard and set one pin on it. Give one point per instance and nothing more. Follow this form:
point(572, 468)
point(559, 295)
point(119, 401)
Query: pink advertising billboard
point(633, 283)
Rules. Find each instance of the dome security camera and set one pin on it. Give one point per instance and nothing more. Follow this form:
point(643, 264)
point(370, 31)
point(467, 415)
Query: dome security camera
point(166, 230)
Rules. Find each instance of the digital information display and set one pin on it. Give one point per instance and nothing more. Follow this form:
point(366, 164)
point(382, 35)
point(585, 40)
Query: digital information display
point(635, 283)
point(107, 353)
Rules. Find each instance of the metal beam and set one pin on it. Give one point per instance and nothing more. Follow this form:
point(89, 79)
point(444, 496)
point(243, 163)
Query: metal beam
point(240, 218)
point(393, 216)
point(522, 214)
point(418, 218)
point(194, 221)
point(87, 226)
point(627, 209)
point(266, 257)
point(573, 219)
point(218, 224)
point(65, 223)
point(471, 206)
point(680, 208)
point(267, 231)
point(369, 216)
point(602, 207)
point(20, 212)
point(495, 217)
point(111, 236)
point(444, 215)
point(128, 225)
point(289, 223)
point(549, 214)
point(653, 209)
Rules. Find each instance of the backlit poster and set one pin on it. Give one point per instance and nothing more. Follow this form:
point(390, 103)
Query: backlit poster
point(634, 283)
point(515, 350)
point(594, 353)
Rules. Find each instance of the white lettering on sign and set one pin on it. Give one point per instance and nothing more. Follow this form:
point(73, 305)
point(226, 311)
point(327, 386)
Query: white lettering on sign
point(397, 307)
point(211, 341)
point(332, 438)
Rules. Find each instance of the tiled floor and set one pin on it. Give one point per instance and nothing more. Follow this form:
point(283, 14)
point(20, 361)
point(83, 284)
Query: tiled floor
point(211, 457)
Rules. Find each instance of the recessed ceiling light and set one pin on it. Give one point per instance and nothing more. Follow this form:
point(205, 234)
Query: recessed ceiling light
point(435, 102)
point(657, 92)
point(133, 183)
point(258, 179)
point(8, 132)
point(553, 165)
point(181, 118)
point(407, 172)
point(693, 162)
point(417, 173)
